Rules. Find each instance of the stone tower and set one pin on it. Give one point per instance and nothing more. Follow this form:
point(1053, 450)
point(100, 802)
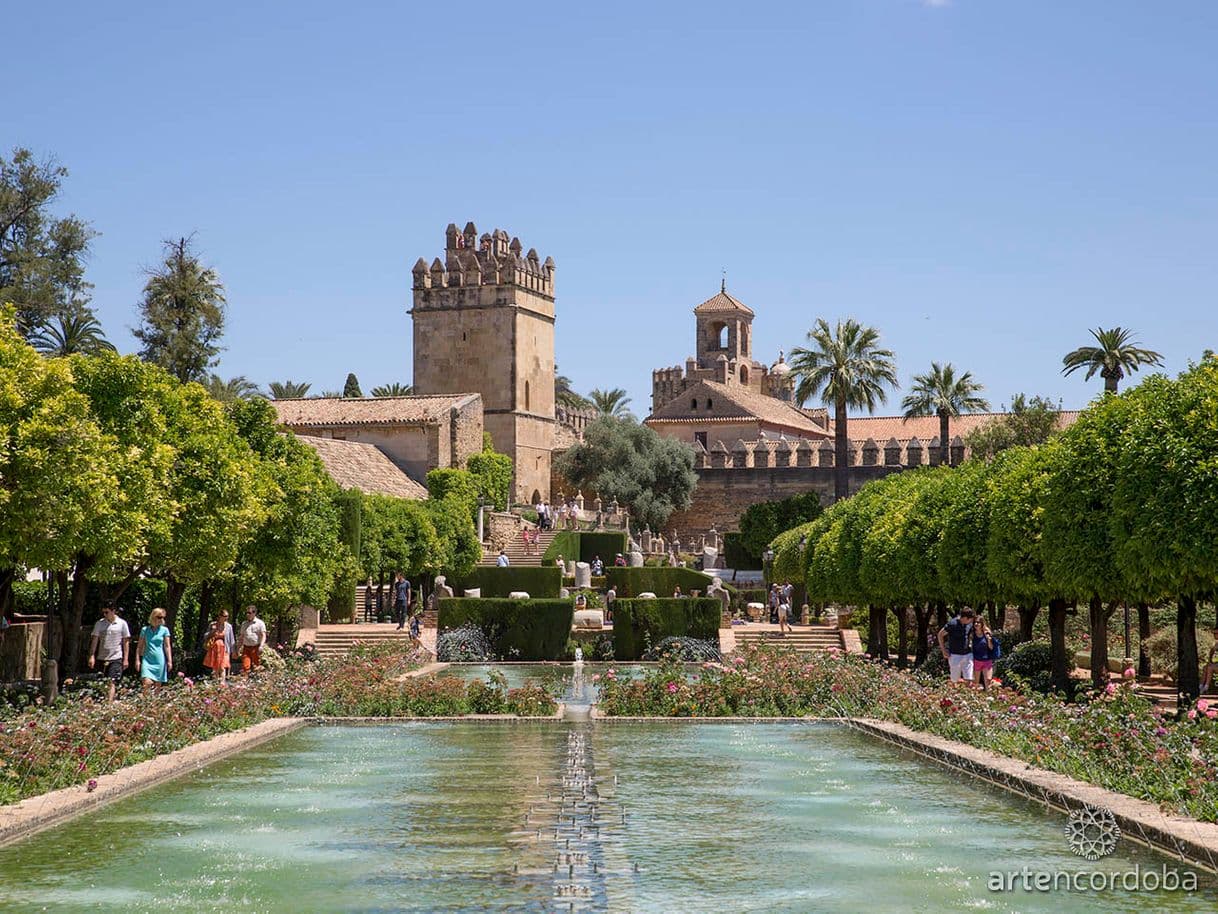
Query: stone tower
point(725, 326)
point(484, 322)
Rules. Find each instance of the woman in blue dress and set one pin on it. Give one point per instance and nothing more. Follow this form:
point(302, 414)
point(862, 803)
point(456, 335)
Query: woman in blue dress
point(154, 651)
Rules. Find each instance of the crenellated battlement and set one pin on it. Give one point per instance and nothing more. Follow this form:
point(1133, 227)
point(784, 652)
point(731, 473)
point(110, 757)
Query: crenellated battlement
point(494, 259)
point(771, 453)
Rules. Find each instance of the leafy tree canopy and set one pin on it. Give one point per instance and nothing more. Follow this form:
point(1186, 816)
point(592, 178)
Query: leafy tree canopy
point(652, 475)
point(1031, 421)
point(351, 387)
point(41, 257)
point(761, 522)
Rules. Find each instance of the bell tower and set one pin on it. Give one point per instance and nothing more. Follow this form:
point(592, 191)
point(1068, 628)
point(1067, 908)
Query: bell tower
point(484, 322)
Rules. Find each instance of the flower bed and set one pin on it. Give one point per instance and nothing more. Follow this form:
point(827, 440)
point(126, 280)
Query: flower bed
point(82, 736)
point(1117, 740)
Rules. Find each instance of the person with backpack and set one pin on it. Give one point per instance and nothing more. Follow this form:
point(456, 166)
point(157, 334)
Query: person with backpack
point(986, 650)
point(956, 643)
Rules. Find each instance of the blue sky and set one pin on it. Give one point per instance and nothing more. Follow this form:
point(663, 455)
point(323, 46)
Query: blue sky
point(982, 180)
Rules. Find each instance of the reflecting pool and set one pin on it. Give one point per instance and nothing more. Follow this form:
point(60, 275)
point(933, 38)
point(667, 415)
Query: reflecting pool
point(543, 816)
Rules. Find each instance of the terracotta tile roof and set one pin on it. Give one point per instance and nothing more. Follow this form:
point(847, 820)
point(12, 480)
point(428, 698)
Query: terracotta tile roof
point(323, 412)
point(881, 428)
point(363, 466)
point(733, 403)
point(722, 303)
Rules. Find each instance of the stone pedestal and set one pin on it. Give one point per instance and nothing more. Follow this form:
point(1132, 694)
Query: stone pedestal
point(583, 575)
point(636, 559)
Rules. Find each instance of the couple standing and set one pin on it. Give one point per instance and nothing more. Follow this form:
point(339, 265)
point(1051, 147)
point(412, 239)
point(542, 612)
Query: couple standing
point(220, 645)
point(970, 648)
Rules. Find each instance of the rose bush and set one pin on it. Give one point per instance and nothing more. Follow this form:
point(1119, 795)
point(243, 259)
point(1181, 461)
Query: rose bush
point(82, 736)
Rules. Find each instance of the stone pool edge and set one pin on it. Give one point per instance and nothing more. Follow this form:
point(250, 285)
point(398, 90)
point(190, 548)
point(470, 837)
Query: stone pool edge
point(34, 814)
point(1188, 840)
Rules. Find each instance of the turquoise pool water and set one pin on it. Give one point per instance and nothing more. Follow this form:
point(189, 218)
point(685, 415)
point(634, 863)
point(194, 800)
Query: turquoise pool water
point(469, 816)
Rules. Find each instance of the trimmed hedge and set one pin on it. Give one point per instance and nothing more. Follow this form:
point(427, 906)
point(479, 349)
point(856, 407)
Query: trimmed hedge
point(585, 546)
point(516, 629)
point(538, 582)
point(630, 582)
point(639, 625)
point(736, 556)
point(606, 545)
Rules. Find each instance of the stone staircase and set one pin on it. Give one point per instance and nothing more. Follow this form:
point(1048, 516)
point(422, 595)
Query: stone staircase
point(515, 551)
point(336, 640)
point(803, 638)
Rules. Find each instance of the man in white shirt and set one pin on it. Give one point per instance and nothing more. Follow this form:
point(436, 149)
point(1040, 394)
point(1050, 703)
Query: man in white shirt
point(114, 638)
point(502, 561)
point(253, 638)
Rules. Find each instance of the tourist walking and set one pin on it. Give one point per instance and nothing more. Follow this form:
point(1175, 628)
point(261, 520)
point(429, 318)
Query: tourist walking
point(598, 567)
point(955, 641)
point(401, 599)
point(218, 646)
point(774, 600)
point(155, 650)
point(110, 644)
point(784, 611)
point(253, 640)
point(610, 597)
point(986, 650)
point(502, 561)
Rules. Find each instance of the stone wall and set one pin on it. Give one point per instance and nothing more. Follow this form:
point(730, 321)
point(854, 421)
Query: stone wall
point(723, 494)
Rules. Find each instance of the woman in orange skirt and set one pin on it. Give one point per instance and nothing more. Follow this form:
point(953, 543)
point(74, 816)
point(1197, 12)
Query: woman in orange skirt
point(218, 646)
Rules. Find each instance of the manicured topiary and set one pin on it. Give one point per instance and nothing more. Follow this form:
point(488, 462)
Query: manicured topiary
point(516, 629)
point(538, 582)
point(638, 625)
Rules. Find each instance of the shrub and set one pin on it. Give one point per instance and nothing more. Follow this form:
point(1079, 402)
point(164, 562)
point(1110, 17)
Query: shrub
point(1026, 660)
point(736, 555)
point(565, 543)
point(630, 582)
point(578, 546)
point(1161, 648)
point(493, 475)
point(539, 583)
point(516, 629)
point(638, 625)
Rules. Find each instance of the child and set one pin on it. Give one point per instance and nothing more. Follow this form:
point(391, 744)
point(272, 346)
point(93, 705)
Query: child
point(986, 650)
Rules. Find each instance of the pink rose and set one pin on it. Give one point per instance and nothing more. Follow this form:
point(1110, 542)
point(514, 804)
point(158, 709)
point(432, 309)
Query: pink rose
point(1110, 689)
point(1192, 714)
point(1211, 714)
point(1202, 704)
point(672, 687)
point(1129, 673)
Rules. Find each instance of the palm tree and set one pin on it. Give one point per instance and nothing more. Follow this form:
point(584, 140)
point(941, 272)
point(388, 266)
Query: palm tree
point(393, 390)
point(331, 395)
point(847, 367)
point(613, 403)
point(288, 390)
point(76, 331)
point(564, 395)
point(941, 393)
point(1114, 357)
point(236, 388)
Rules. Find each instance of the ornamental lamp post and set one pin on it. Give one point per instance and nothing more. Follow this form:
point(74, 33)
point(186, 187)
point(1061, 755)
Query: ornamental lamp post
point(767, 562)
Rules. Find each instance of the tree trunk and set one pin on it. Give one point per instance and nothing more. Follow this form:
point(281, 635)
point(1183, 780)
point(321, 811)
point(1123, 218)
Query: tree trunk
point(1110, 383)
point(1027, 619)
point(997, 613)
point(56, 613)
point(173, 600)
point(873, 633)
point(841, 472)
point(1143, 634)
point(7, 576)
point(201, 623)
point(922, 617)
point(881, 621)
point(74, 617)
point(1098, 625)
point(1188, 679)
point(941, 613)
point(945, 451)
point(1057, 644)
point(902, 614)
